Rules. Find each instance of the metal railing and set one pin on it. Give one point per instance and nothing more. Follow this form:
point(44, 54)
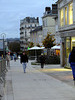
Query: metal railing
point(3, 71)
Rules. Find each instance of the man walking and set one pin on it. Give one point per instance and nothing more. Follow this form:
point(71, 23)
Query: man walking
point(23, 60)
point(42, 60)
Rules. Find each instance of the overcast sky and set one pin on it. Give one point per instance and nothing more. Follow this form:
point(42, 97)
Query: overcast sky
point(12, 11)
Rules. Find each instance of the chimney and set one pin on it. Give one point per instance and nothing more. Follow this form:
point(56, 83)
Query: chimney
point(54, 9)
point(38, 19)
point(47, 10)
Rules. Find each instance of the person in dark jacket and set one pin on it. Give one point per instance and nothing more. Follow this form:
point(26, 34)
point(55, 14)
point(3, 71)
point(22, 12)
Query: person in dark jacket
point(42, 60)
point(72, 61)
point(24, 60)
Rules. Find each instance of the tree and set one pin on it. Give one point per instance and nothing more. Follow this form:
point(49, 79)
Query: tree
point(38, 45)
point(14, 46)
point(31, 44)
point(48, 42)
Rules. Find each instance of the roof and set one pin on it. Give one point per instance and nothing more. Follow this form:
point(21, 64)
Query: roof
point(58, 1)
point(49, 15)
point(38, 28)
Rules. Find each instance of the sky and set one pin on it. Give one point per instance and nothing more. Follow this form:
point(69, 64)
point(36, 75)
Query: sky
point(12, 11)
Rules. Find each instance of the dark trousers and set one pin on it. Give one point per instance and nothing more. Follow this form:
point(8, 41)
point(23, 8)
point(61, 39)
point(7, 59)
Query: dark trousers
point(42, 65)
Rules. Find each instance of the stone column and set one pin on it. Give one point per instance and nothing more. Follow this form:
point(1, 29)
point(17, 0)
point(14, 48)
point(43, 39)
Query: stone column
point(58, 18)
point(64, 14)
point(62, 52)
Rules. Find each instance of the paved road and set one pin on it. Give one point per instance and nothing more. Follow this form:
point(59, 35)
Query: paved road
point(37, 84)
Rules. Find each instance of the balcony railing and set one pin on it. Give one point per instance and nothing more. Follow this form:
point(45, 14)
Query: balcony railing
point(21, 28)
point(21, 33)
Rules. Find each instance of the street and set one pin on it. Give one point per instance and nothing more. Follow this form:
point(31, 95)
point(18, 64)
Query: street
point(50, 83)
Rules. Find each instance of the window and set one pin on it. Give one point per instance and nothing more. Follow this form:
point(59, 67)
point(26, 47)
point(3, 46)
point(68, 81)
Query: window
point(70, 13)
point(61, 17)
point(65, 15)
point(31, 25)
point(73, 42)
point(43, 23)
point(35, 25)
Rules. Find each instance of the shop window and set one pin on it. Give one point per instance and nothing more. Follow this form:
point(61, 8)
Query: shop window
point(73, 42)
point(65, 15)
point(61, 17)
point(71, 13)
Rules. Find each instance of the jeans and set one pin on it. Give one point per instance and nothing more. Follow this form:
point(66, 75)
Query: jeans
point(73, 70)
point(24, 66)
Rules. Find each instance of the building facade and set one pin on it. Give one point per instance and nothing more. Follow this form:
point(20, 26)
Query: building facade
point(49, 21)
point(66, 21)
point(36, 36)
point(57, 34)
point(26, 25)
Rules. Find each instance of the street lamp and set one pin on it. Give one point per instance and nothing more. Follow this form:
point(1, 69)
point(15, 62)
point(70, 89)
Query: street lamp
point(3, 35)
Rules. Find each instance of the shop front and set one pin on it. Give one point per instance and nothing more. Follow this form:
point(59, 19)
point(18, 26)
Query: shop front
point(69, 43)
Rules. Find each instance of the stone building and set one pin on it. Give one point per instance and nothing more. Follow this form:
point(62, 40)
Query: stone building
point(66, 21)
point(48, 21)
point(36, 36)
point(57, 34)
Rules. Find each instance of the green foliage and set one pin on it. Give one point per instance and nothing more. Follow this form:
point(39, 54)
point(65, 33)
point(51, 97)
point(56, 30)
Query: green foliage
point(48, 42)
point(14, 47)
point(31, 44)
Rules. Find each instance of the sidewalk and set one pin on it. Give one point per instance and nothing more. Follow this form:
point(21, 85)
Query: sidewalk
point(36, 84)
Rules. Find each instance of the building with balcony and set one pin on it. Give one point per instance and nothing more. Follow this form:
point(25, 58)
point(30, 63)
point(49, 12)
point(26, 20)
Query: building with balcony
point(36, 36)
point(66, 25)
point(26, 25)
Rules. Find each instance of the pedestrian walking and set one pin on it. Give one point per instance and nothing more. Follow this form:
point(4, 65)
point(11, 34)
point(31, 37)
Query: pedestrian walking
point(42, 60)
point(11, 55)
point(24, 60)
point(8, 59)
point(15, 56)
point(72, 62)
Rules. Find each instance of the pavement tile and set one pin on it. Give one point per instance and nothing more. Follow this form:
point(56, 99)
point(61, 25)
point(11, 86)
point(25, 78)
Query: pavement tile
point(37, 84)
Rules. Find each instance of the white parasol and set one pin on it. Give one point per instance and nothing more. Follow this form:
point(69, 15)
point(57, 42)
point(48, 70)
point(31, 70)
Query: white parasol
point(36, 48)
point(55, 47)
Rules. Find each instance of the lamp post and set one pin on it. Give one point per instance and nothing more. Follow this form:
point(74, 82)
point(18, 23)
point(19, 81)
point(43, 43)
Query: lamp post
point(3, 35)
